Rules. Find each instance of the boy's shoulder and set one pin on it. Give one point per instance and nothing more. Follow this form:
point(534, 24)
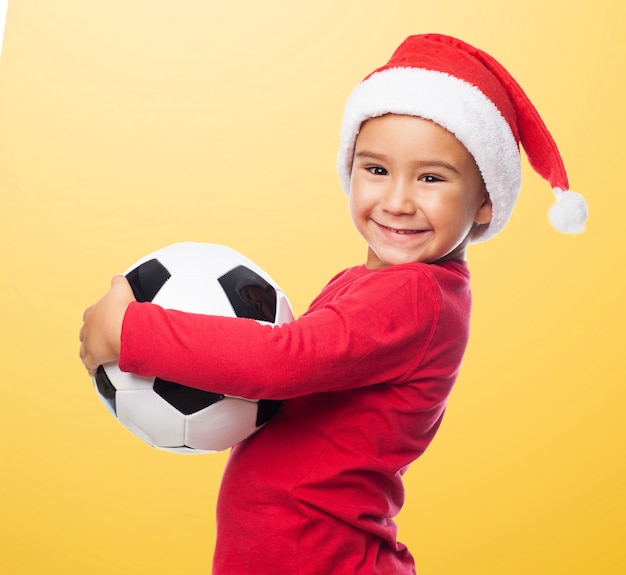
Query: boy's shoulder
point(457, 268)
point(452, 275)
point(417, 272)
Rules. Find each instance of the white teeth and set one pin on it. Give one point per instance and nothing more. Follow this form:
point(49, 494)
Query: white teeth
point(400, 231)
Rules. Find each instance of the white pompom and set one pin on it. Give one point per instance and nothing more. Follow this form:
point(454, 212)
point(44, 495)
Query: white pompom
point(569, 213)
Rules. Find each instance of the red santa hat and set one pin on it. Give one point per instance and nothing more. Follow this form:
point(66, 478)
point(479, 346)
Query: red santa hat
point(470, 94)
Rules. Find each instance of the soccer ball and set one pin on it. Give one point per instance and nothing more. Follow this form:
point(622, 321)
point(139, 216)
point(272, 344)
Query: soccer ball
point(198, 278)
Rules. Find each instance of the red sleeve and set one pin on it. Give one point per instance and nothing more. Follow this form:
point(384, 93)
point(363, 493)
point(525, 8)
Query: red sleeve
point(376, 332)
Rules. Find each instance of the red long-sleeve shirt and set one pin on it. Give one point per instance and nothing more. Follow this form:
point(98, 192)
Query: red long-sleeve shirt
point(365, 373)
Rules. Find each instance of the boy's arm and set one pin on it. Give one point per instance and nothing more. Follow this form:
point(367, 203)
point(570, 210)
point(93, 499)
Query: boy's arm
point(367, 338)
point(100, 334)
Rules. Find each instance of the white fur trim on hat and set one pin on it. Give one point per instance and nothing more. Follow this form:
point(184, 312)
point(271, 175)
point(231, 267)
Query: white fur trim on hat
point(457, 106)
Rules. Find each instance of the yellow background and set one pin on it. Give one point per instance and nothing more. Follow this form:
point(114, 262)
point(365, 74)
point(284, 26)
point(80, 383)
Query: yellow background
point(129, 125)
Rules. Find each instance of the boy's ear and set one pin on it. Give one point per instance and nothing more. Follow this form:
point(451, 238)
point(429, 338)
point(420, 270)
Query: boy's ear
point(485, 210)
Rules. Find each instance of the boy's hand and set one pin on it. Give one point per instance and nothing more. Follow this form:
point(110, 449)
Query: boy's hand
point(102, 326)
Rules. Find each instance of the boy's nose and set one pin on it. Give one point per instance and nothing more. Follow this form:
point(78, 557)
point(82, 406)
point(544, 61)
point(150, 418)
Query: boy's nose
point(398, 199)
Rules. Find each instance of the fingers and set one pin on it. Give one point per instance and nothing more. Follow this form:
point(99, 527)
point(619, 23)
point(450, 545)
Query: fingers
point(101, 330)
point(86, 312)
point(84, 357)
point(83, 353)
point(121, 282)
point(118, 279)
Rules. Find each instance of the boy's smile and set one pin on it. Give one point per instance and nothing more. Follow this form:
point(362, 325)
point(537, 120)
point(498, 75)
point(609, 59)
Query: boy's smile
point(416, 192)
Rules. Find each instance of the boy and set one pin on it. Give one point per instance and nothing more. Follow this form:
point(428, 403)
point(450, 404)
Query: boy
point(429, 157)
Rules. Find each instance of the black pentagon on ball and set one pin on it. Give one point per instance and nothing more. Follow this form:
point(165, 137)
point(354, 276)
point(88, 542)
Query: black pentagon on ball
point(267, 408)
point(105, 387)
point(187, 400)
point(249, 294)
point(147, 279)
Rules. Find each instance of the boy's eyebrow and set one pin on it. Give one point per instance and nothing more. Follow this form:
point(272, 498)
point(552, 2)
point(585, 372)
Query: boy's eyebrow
point(368, 154)
point(423, 163)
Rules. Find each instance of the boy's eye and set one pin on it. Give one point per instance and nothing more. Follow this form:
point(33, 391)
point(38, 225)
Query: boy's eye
point(430, 179)
point(377, 171)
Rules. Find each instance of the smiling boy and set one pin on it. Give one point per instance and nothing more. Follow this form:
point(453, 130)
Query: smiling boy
point(416, 193)
point(429, 157)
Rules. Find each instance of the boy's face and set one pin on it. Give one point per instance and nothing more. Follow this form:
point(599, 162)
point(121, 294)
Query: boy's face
point(416, 192)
